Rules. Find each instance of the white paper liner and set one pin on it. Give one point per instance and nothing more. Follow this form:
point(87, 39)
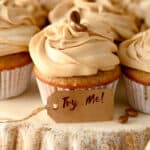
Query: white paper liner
point(138, 95)
point(15, 81)
point(46, 90)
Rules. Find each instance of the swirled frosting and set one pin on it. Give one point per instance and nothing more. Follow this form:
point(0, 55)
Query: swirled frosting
point(99, 6)
point(60, 50)
point(32, 6)
point(49, 4)
point(135, 52)
point(16, 29)
point(139, 8)
point(98, 13)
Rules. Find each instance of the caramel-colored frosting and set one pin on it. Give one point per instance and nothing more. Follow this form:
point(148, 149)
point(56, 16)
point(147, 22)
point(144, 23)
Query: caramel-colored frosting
point(97, 14)
point(69, 48)
point(89, 5)
point(135, 52)
point(32, 6)
point(139, 8)
point(49, 4)
point(17, 27)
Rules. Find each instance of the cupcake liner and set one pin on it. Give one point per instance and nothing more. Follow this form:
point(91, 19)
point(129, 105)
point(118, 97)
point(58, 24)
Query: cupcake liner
point(47, 90)
point(15, 81)
point(138, 95)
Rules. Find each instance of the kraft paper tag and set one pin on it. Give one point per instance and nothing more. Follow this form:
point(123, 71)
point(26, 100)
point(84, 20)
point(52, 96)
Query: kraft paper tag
point(81, 105)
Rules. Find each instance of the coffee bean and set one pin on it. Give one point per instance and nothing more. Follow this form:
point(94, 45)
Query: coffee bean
point(131, 112)
point(123, 119)
point(80, 27)
point(90, 0)
point(75, 17)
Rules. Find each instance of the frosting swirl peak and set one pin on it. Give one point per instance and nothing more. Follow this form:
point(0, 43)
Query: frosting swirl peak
point(32, 7)
point(17, 27)
point(135, 52)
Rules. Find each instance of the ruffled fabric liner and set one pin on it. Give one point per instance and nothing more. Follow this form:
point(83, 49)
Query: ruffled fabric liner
point(30, 138)
point(138, 95)
point(14, 82)
point(46, 90)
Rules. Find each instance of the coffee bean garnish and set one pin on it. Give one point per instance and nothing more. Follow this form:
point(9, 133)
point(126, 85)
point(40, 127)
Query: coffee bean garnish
point(80, 27)
point(75, 17)
point(131, 112)
point(123, 119)
point(90, 0)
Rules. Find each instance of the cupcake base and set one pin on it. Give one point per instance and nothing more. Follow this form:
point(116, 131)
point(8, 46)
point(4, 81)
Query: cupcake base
point(138, 95)
point(46, 90)
point(14, 82)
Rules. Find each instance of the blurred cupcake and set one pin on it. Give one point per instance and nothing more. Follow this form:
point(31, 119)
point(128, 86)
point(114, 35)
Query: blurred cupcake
point(69, 56)
point(33, 7)
point(135, 57)
point(106, 13)
point(138, 8)
point(16, 29)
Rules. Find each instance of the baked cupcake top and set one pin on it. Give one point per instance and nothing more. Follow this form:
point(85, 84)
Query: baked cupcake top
point(135, 52)
point(96, 13)
point(32, 6)
point(17, 27)
point(69, 48)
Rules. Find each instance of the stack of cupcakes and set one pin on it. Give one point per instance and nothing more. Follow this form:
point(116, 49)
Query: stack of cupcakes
point(117, 18)
point(79, 50)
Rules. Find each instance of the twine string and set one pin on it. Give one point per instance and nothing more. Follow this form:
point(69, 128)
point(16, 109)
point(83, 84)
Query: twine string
point(32, 114)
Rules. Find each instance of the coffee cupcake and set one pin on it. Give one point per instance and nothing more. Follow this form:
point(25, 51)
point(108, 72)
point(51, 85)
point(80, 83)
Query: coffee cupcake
point(69, 56)
point(106, 14)
point(16, 29)
point(135, 57)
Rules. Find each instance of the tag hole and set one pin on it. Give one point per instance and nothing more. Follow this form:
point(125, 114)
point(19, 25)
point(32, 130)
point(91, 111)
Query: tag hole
point(55, 106)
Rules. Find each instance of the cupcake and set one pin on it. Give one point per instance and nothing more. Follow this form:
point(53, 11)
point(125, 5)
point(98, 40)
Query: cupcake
point(16, 29)
point(134, 55)
point(33, 7)
point(69, 56)
point(105, 13)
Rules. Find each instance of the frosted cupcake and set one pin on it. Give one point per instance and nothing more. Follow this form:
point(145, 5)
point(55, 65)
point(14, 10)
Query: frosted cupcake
point(69, 56)
point(105, 13)
point(16, 29)
point(135, 57)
